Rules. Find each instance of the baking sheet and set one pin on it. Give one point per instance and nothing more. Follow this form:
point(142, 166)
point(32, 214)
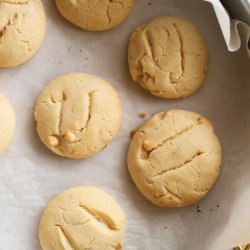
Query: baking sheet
point(30, 175)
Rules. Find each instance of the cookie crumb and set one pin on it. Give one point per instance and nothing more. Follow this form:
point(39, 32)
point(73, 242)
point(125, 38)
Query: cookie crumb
point(80, 50)
point(149, 4)
point(143, 114)
point(166, 227)
point(198, 209)
point(86, 58)
point(218, 205)
point(132, 133)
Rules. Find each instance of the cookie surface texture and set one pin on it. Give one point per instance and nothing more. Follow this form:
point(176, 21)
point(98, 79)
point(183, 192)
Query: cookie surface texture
point(174, 158)
point(95, 15)
point(82, 218)
point(22, 28)
point(168, 57)
point(7, 124)
point(77, 115)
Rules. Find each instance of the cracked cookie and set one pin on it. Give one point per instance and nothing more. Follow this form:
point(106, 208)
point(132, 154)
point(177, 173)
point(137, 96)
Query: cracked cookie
point(7, 124)
point(95, 15)
point(22, 28)
point(77, 115)
point(82, 218)
point(174, 158)
point(168, 57)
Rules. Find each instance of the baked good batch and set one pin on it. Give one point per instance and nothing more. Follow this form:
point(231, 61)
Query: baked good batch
point(22, 28)
point(95, 15)
point(168, 57)
point(77, 115)
point(174, 158)
point(82, 218)
point(7, 124)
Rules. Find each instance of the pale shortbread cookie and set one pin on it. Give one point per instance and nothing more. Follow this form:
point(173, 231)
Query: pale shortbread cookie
point(77, 115)
point(168, 57)
point(82, 218)
point(95, 15)
point(174, 158)
point(22, 28)
point(7, 124)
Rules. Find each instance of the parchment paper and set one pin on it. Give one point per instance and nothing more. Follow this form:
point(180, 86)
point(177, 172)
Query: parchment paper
point(230, 28)
point(30, 175)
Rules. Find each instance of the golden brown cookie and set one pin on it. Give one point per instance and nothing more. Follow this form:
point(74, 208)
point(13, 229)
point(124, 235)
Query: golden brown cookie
point(95, 15)
point(77, 115)
point(22, 28)
point(82, 218)
point(7, 124)
point(168, 57)
point(174, 158)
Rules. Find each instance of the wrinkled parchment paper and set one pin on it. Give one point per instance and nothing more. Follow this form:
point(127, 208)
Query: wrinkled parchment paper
point(30, 175)
point(230, 28)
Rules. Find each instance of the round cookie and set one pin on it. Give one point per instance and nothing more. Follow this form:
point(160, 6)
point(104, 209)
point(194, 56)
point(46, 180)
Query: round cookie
point(7, 124)
point(77, 115)
point(22, 28)
point(168, 57)
point(95, 15)
point(174, 158)
point(82, 218)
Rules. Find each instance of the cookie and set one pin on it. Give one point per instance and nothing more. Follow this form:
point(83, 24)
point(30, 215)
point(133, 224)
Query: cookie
point(82, 218)
point(174, 158)
point(7, 124)
point(168, 57)
point(77, 115)
point(22, 28)
point(95, 15)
